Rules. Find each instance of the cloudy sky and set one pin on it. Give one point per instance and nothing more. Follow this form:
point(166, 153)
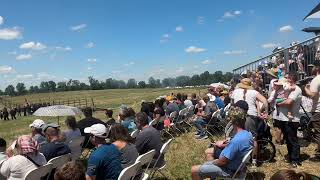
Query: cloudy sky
point(59, 39)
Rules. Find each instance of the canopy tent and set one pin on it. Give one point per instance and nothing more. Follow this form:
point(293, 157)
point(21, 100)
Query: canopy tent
point(315, 13)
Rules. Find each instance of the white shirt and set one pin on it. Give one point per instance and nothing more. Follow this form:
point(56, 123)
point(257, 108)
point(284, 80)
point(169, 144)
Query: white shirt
point(296, 96)
point(315, 87)
point(251, 98)
point(16, 167)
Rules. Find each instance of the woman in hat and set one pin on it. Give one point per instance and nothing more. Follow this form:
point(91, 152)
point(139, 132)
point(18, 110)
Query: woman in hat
point(28, 158)
point(247, 93)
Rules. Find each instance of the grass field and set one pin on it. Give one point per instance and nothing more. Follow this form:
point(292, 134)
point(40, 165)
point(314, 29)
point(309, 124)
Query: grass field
point(185, 151)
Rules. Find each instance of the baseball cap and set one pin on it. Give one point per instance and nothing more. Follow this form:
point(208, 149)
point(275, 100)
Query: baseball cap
point(98, 130)
point(37, 123)
point(242, 104)
point(52, 125)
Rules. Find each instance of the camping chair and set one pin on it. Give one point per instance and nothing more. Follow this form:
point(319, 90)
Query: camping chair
point(173, 118)
point(60, 160)
point(182, 118)
point(163, 150)
point(190, 111)
point(151, 123)
point(212, 124)
point(129, 172)
point(75, 147)
point(134, 134)
point(145, 160)
point(226, 109)
point(2, 177)
point(39, 173)
point(241, 172)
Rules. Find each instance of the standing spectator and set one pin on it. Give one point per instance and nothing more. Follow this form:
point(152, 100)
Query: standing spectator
point(104, 162)
point(3, 147)
point(290, 126)
point(5, 114)
point(110, 121)
point(73, 132)
point(120, 137)
point(87, 122)
point(313, 91)
point(1, 114)
point(36, 131)
point(19, 110)
point(54, 147)
point(148, 139)
point(28, 158)
point(126, 119)
point(24, 109)
point(71, 171)
point(13, 113)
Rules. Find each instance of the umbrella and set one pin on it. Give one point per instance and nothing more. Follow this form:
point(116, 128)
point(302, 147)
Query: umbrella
point(315, 30)
point(315, 13)
point(215, 85)
point(57, 111)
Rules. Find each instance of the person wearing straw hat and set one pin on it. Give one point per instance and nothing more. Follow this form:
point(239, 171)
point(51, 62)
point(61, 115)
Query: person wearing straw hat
point(252, 97)
point(273, 76)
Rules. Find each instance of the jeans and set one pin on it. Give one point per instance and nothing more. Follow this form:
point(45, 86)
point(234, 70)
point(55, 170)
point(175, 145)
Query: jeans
point(199, 123)
point(289, 130)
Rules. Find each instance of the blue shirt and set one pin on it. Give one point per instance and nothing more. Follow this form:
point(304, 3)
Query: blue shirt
point(129, 124)
point(104, 162)
point(237, 148)
point(218, 101)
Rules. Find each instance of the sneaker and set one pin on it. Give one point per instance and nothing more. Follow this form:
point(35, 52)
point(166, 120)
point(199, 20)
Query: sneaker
point(294, 164)
point(197, 133)
point(202, 137)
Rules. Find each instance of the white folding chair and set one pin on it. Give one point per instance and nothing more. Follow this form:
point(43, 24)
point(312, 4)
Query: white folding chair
point(129, 172)
point(145, 159)
point(163, 150)
point(151, 123)
point(60, 160)
point(134, 134)
point(75, 147)
point(1, 176)
point(39, 172)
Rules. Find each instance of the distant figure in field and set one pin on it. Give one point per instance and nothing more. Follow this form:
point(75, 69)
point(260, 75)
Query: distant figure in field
point(1, 114)
point(13, 113)
point(5, 114)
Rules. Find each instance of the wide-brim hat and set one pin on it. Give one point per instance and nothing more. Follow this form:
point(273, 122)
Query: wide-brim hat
point(272, 72)
point(245, 83)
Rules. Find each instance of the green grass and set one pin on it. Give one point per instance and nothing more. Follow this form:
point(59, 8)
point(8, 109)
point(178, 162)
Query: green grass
point(185, 150)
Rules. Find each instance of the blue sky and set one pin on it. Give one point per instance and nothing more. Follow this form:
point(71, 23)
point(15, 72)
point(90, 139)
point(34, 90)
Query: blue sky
point(59, 39)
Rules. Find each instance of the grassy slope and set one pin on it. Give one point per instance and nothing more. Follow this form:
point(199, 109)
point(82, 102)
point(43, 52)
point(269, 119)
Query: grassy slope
point(185, 150)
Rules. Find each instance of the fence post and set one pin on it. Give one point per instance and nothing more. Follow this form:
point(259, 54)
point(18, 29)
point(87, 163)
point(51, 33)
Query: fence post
point(86, 102)
point(68, 101)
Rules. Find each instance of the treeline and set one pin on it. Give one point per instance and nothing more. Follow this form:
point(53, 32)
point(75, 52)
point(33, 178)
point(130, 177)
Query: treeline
point(204, 78)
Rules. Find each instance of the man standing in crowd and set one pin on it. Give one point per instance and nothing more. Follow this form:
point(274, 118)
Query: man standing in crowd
point(13, 113)
point(87, 122)
point(312, 91)
point(290, 126)
point(148, 139)
point(54, 147)
point(5, 114)
point(104, 162)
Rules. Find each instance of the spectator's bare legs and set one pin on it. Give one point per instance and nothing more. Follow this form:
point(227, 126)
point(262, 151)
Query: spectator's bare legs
point(255, 152)
point(195, 172)
point(278, 135)
point(209, 154)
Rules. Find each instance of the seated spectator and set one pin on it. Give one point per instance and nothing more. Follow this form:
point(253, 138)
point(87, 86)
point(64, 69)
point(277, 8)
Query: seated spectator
point(3, 147)
point(28, 158)
point(194, 99)
point(187, 101)
point(172, 106)
point(110, 121)
point(120, 137)
point(70, 171)
point(87, 122)
point(148, 108)
point(231, 156)
point(125, 115)
point(54, 147)
point(36, 131)
point(104, 162)
point(287, 174)
point(148, 139)
point(159, 116)
point(73, 132)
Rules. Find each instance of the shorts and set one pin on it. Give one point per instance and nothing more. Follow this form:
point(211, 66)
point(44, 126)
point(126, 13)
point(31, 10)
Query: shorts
point(209, 170)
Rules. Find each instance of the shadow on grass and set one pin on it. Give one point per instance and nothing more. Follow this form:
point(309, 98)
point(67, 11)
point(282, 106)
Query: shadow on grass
point(255, 176)
point(304, 157)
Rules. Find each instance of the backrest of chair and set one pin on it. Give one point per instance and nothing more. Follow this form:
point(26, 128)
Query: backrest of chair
point(165, 146)
point(60, 160)
point(39, 172)
point(227, 107)
point(173, 115)
point(2, 177)
point(183, 112)
point(129, 172)
point(134, 134)
point(245, 160)
point(146, 158)
point(151, 123)
point(191, 110)
point(75, 147)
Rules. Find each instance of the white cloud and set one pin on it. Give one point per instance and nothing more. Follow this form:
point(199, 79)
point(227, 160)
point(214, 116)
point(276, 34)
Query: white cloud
point(45, 76)
point(179, 29)
point(206, 62)
point(234, 52)
point(33, 45)
point(13, 53)
point(116, 72)
point(6, 69)
point(1, 20)
point(193, 49)
point(67, 48)
point(24, 76)
point(22, 57)
point(270, 45)
point(89, 68)
point(180, 70)
point(195, 66)
point(286, 28)
point(10, 34)
point(200, 20)
point(93, 60)
point(228, 15)
point(78, 27)
point(90, 45)
point(164, 38)
point(237, 12)
point(129, 64)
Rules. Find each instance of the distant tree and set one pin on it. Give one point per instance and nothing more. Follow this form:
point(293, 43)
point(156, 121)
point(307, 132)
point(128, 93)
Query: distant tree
point(21, 89)
point(183, 81)
point(152, 82)
point(52, 86)
point(169, 82)
point(84, 86)
point(62, 86)
point(132, 83)
point(44, 86)
point(142, 84)
point(195, 80)
point(10, 90)
point(94, 83)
